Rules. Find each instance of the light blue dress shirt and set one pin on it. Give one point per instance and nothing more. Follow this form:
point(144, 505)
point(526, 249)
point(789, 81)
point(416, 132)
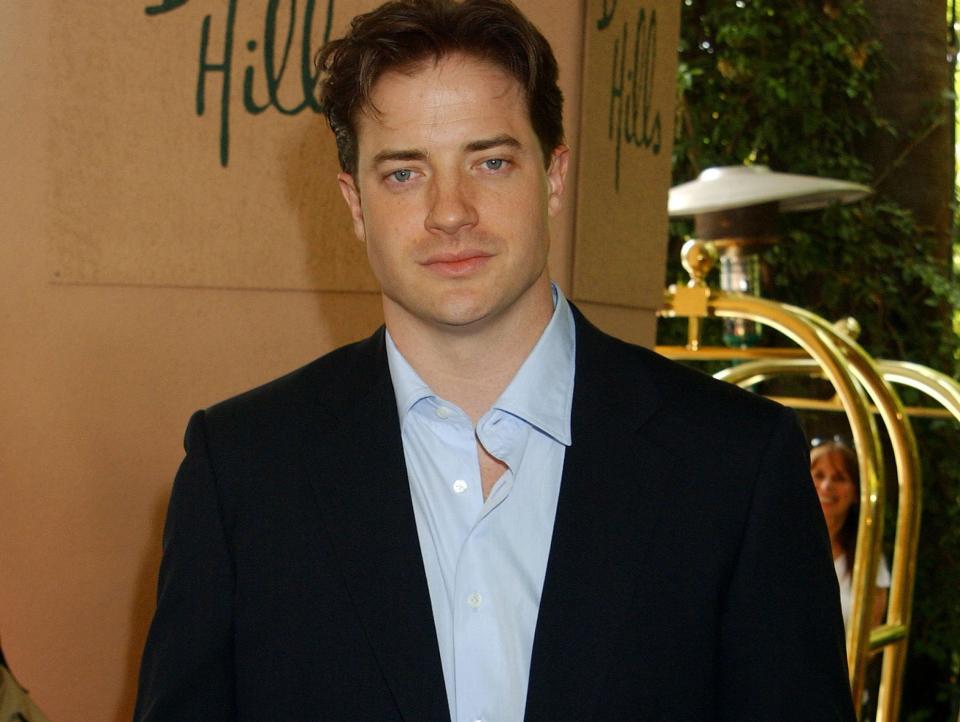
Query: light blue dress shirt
point(485, 561)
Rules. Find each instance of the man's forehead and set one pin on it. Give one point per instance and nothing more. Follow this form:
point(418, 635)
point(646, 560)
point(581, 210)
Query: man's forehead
point(443, 100)
point(446, 83)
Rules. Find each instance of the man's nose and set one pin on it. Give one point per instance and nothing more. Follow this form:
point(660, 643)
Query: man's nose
point(451, 208)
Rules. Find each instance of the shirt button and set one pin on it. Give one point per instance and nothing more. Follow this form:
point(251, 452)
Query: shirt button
point(443, 412)
point(474, 600)
point(459, 486)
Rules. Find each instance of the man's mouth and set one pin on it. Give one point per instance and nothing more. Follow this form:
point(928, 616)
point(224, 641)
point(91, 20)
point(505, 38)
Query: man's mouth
point(457, 264)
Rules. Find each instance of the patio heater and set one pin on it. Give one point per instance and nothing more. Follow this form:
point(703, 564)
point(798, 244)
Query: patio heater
point(735, 210)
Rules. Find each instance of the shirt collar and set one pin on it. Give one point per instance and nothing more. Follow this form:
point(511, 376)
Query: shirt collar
point(408, 387)
point(541, 392)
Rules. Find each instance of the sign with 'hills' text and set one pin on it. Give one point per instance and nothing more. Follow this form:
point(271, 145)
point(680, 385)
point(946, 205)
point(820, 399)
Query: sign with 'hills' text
point(278, 71)
point(190, 150)
point(626, 127)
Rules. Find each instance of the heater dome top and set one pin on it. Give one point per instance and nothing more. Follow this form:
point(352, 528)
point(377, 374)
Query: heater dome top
point(728, 187)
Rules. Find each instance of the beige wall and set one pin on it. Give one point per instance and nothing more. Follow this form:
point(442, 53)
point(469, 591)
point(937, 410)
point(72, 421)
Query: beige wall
point(97, 381)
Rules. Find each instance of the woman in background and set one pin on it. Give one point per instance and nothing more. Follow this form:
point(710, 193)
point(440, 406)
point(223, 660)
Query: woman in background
point(836, 476)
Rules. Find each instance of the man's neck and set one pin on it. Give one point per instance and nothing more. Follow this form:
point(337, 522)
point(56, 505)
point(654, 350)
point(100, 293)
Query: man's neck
point(472, 366)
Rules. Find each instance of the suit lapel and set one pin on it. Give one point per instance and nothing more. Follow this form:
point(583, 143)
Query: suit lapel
point(364, 499)
point(605, 513)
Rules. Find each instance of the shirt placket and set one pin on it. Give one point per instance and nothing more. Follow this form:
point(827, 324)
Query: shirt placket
point(480, 631)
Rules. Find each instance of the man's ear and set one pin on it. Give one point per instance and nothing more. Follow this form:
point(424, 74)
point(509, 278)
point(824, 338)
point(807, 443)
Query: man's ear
point(557, 178)
point(351, 194)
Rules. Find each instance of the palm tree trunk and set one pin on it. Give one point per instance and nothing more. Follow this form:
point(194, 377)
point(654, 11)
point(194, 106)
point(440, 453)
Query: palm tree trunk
point(916, 168)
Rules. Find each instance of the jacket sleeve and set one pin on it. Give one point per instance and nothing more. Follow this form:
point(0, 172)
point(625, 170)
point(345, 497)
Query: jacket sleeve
point(782, 640)
point(187, 669)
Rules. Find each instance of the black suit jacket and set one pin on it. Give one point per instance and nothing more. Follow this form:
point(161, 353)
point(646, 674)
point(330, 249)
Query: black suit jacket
point(689, 575)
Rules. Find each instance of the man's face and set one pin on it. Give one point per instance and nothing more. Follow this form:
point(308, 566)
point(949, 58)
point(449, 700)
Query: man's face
point(451, 195)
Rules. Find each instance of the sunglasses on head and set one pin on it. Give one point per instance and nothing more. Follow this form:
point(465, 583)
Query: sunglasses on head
point(835, 439)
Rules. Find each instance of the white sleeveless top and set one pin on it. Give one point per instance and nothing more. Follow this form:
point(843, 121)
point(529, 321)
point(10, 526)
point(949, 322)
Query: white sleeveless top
point(845, 579)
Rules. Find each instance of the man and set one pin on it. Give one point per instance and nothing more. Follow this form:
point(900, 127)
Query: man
point(489, 510)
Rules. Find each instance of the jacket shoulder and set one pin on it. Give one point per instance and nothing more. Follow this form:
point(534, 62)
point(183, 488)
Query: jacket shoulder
point(663, 385)
point(326, 385)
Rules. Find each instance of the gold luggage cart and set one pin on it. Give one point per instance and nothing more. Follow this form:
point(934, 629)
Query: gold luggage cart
point(863, 390)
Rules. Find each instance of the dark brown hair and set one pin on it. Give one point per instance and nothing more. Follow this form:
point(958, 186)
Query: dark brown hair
point(403, 33)
point(848, 532)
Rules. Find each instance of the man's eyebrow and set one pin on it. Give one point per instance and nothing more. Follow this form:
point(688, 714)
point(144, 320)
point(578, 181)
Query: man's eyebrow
point(495, 142)
point(475, 146)
point(393, 155)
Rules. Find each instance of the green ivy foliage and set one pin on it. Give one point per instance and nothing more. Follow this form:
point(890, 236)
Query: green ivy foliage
point(791, 85)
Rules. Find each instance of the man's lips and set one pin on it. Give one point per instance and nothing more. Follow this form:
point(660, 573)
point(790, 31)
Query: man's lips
point(457, 264)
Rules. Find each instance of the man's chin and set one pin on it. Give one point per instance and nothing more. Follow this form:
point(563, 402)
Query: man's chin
point(462, 320)
point(461, 308)
point(458, 313)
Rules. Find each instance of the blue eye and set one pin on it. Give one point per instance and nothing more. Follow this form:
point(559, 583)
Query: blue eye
point(494, 163)
point(402, 175)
